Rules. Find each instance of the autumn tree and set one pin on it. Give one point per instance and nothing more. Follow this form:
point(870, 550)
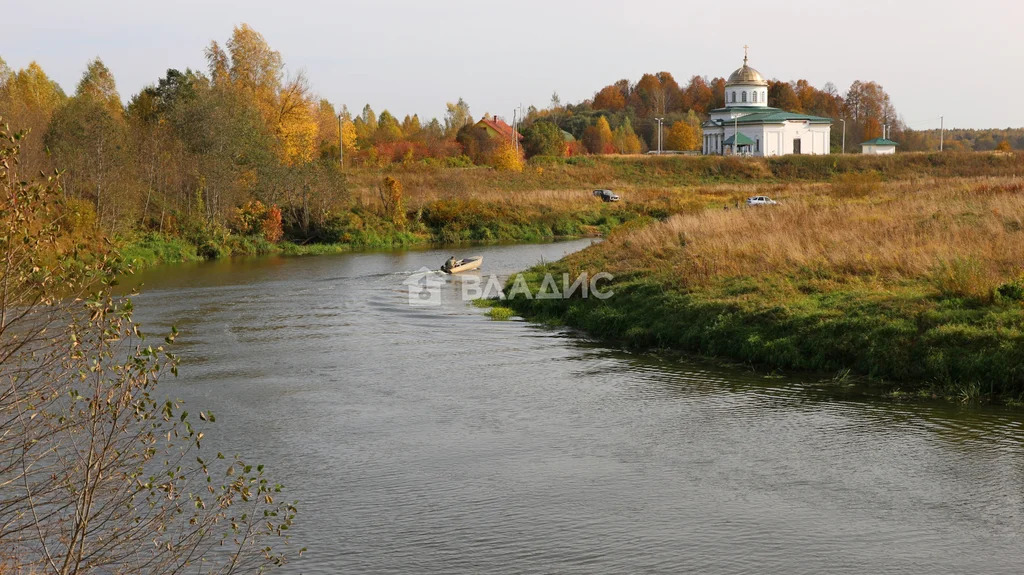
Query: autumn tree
point(391, 200)
point(648, 97)
point(697, 96)
point(625, 140)
point(543, 139)
point(718, 93)
point(388, 129)
point(366, 127)
point(98, 472)
point(609, 98)
point(507, 158)
point(872, 128)
point(411, 127)
point(456, 117)
point(682, 136)
point(781, 95)
point(327, 130)
point(598, 138)
point(28, 100)
point(88, 137)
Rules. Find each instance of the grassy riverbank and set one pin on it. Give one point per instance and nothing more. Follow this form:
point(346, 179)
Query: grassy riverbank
point(917, 285)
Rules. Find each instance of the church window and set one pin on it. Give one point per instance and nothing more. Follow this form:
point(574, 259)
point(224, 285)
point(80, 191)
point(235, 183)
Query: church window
point(744, 96)
point(754, 96)
point(733, 97)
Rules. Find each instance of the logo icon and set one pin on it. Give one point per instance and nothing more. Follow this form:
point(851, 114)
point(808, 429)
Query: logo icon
point(424, 288)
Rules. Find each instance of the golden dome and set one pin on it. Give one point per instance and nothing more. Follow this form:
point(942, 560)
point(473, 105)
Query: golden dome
point(746, 76)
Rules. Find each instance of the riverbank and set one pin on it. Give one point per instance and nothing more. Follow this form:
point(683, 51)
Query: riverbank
point(550, 199)
point(917, 286)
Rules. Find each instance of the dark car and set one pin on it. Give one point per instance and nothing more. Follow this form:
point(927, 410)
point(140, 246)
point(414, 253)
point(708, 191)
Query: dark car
point(607, 195)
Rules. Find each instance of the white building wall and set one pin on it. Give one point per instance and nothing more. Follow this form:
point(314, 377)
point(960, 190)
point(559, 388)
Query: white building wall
point(737, 90)
point(773, 139)
point(878, 150)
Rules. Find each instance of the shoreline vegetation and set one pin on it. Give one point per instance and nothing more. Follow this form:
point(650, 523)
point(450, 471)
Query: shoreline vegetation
point(420, 204)
point(915, 283)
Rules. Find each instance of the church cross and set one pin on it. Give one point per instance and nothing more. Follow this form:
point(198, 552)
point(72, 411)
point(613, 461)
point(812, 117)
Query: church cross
point(745, 47)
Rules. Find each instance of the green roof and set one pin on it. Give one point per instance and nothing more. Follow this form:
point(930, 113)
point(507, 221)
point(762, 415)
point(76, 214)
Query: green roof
point(879, 142)
point(567, 137)
point(743, 140)
point(780, 117)
point(772, 116)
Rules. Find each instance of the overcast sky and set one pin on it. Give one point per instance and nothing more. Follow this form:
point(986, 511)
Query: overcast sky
point(953, 58)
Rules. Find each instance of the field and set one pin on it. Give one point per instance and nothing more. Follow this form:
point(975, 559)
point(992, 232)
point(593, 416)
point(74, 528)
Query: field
point(914, 281)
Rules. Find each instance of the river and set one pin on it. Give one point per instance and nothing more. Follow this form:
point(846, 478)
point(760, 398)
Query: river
point(432, 439)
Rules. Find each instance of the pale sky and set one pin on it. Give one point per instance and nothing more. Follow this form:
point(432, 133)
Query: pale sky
point(951, 58)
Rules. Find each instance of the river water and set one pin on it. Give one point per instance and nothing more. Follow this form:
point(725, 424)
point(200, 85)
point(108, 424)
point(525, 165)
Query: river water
point(432, 439)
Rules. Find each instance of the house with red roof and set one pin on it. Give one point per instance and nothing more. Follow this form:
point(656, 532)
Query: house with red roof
point(495, 127)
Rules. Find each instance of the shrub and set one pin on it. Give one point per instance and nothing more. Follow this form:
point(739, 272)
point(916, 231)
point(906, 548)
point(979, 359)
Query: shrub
point(507, 158)
point(1013, 291)
point(963, 277)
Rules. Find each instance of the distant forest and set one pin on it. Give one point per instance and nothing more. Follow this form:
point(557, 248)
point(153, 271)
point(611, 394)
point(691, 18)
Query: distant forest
point(197, 144)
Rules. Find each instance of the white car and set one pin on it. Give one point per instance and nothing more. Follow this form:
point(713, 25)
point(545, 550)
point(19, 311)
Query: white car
point(761, 201)
point(607, 195)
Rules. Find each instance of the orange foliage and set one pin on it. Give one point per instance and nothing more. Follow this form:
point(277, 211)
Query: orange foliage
point(609, 98)
point(273, 230)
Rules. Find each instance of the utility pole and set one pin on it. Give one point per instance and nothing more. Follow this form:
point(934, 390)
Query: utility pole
point(942, 130)
point(517, 119)
point(843, 120)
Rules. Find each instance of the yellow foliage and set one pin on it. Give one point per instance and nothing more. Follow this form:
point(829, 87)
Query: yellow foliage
point(298, 132)
point(507, 159)
point(348, 135)
point(682, 136)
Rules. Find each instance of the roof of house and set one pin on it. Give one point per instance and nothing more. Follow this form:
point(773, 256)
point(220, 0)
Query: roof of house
point(499, 126)
point(779, 117)
point(567, 137)
point(743, 140)
point(768, 116)
point(879, 142)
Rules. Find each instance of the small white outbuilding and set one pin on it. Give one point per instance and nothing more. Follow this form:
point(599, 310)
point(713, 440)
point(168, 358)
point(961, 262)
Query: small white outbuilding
point(878, 146)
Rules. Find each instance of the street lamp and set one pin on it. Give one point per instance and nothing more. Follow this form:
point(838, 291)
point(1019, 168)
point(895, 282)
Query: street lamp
point(843, 120)
point(659, 134)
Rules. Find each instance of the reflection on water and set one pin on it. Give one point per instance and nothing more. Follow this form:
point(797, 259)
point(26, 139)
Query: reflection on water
point(433, 440)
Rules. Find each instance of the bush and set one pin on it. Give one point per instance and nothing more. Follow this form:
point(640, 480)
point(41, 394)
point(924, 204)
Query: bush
point(963, 277)
point(1013, 291)
point(582, 161)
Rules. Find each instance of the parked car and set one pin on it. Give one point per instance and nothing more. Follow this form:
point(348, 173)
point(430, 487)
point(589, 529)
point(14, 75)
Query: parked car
point(607, 195)
point(761, 201)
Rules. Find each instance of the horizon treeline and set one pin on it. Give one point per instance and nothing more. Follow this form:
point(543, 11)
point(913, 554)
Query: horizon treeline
point(195, 146)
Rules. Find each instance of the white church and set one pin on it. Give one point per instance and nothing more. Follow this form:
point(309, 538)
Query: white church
point(748, 126)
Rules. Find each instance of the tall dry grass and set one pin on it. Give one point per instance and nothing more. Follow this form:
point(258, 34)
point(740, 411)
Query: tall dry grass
point(966, 236)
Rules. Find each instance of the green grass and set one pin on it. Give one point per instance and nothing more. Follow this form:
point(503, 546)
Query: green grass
point(500, 313)
point(908, 340)
point(153, 249)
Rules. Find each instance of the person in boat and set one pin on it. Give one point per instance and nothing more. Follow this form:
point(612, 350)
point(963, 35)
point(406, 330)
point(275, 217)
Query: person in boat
point(451, 263)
